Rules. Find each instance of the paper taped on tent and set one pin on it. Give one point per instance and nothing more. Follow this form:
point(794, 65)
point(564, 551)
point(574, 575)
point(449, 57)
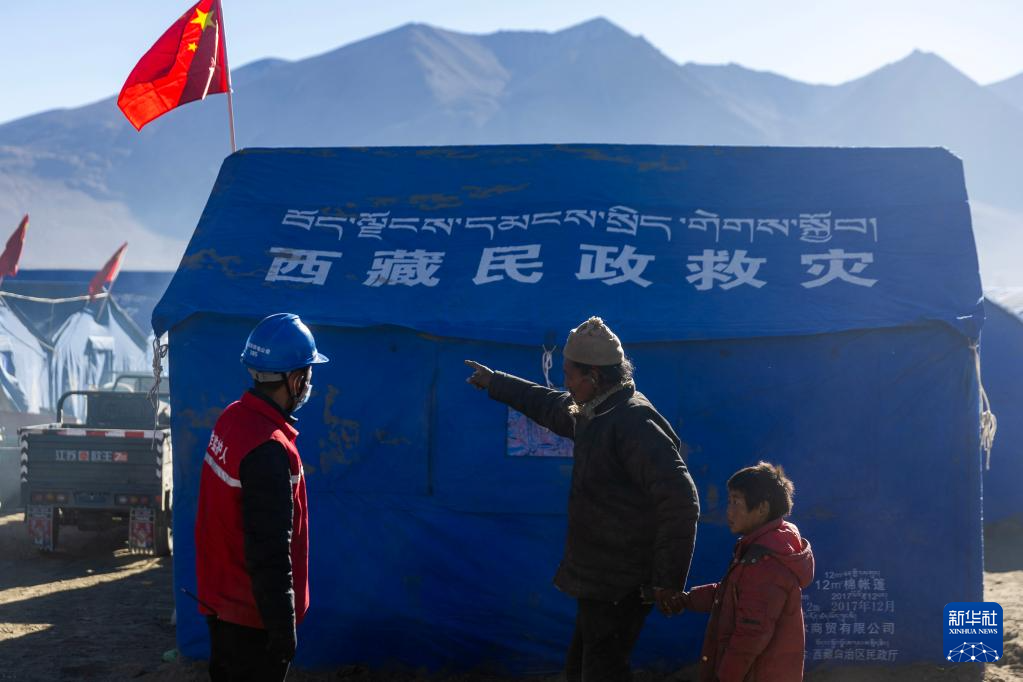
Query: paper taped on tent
point(815, 307)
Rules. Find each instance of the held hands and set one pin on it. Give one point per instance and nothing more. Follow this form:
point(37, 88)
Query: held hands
point(481, 375)
point(671, 602)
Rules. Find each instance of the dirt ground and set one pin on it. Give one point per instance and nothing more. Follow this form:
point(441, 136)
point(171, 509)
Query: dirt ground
point(94, 611)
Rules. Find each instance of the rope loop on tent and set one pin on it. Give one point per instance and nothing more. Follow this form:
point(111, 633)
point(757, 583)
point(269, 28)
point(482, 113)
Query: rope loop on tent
point(159, 353)
point(988, 420)
point(547, 363)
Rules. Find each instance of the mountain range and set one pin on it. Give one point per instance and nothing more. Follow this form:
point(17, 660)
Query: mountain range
point(90, 181)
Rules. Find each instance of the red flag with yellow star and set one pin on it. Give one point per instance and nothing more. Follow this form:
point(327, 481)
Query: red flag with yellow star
point(188, 62)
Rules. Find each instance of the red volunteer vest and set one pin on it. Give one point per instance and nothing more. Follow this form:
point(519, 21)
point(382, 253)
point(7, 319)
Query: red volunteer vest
point(223, 580)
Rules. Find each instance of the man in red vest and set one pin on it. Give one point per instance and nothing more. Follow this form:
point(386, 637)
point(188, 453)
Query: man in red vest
point(252, 529)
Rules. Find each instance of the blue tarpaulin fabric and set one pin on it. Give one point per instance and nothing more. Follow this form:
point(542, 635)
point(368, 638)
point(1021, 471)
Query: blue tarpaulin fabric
point(24, 362)
point(1002, 369)
point(137, 292)
point(90, 348)
point(744, 242)
point(73, 344)
point(812, 307)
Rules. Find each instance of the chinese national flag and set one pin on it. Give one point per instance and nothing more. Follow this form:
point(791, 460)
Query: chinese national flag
point(188, 62)
point(108, 273)
point(12, 254)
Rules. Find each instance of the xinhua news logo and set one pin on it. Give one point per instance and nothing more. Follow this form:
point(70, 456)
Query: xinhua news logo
point(973, 632)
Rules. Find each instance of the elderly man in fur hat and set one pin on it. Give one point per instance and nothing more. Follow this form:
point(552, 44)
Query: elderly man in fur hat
point(632, 509)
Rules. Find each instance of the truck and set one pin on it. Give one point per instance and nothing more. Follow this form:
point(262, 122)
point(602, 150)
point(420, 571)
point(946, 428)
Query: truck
point(10, 455)
point(138, 382)
point(113, 469)
point(9, 463)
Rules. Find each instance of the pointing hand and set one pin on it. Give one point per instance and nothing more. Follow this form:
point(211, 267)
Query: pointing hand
point(481, 375)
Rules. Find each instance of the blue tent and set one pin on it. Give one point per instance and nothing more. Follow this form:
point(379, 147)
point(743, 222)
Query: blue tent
point(91, 347)
point(137, 291)
point(1002, 369)
point(814, 307)
point(56, 341)
point(24, 364)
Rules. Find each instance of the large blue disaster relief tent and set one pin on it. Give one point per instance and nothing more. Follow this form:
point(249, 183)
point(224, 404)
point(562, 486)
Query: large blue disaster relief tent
point(1002, 370)
point(819, 308)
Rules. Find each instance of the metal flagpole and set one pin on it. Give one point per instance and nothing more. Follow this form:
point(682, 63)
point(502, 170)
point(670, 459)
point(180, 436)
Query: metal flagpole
point(230, 99)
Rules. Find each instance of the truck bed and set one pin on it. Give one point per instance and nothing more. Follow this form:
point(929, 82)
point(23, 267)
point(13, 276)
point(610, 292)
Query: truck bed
point(90, 468)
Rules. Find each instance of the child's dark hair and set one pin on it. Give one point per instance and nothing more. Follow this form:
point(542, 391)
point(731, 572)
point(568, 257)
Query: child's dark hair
point(764, 482)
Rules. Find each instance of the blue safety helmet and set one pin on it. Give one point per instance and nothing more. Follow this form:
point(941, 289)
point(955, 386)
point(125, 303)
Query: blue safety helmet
point(281, 343)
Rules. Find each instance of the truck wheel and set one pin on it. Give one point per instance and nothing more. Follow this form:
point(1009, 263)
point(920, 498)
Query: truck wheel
point(163, 539)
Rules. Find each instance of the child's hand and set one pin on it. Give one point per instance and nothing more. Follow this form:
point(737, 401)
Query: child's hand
point(682, 601)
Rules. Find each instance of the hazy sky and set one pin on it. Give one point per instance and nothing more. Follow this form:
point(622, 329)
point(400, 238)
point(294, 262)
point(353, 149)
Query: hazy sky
point(62, 53)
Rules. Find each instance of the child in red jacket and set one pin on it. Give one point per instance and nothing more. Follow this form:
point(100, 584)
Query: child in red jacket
point(755, 632)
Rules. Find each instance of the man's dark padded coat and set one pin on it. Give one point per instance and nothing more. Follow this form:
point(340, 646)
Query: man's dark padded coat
point(633, 508)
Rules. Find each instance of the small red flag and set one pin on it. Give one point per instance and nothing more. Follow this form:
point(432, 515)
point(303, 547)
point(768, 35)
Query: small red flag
point(188, 62)
point(12, 254)
point(108, 273)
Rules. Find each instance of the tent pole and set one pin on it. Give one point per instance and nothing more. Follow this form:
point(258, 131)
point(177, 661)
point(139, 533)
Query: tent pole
point(103, 306)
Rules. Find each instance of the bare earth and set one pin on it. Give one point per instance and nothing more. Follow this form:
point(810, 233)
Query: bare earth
point(94, 611)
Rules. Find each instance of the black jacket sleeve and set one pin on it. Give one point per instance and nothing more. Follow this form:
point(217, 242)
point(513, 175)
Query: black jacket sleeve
point(545, 406)
point(651, 455)
point(267, 523)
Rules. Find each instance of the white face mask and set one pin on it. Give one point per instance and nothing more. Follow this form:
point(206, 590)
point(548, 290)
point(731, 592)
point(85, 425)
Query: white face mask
point(304, 397)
